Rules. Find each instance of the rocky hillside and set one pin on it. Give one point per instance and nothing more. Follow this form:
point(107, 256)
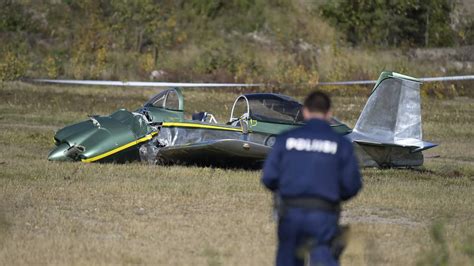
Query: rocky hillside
point(277, 41)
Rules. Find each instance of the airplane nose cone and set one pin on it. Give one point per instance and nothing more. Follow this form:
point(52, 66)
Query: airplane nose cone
point(59, 153)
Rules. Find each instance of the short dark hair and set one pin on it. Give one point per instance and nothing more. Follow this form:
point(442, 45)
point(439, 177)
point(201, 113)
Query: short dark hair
point(318, 101)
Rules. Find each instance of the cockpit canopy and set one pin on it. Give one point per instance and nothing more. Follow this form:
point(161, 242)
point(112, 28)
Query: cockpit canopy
point(267, 107)
point(171, 99)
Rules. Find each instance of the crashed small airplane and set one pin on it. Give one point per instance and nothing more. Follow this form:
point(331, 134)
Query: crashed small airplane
point(388, 132)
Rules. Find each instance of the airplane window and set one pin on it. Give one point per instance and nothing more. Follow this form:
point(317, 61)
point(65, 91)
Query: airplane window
point(160, 101)
point(157, 100)
point(172, 100)
point(274, 109)
point(240, 108)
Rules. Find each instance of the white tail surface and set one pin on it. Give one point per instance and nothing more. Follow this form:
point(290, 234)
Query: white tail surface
point(392, 114)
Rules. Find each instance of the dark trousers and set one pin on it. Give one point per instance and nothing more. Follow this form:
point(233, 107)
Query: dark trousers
point(297, 226)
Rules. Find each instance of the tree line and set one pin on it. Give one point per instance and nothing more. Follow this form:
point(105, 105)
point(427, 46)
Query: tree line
point(388, 23)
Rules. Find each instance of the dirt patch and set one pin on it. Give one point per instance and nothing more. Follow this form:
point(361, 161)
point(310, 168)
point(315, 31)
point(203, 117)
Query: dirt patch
point(376, 216)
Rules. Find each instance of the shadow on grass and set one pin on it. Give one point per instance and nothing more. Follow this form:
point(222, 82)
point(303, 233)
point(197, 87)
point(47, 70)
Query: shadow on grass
point(4, 227)
point(446, 171)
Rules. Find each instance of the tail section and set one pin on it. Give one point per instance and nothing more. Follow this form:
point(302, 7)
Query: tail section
point(389, 132)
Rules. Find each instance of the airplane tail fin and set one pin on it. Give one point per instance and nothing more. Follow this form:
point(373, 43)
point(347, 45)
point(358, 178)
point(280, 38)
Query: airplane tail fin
point(389, 128)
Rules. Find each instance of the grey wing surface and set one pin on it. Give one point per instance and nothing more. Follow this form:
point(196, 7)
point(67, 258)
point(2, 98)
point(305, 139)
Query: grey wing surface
point(228, 152)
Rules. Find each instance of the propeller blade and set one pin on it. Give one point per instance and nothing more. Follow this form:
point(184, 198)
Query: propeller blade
point(144, 84)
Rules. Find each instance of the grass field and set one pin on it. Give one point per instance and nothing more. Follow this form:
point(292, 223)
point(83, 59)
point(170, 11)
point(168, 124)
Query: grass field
point(75, 213)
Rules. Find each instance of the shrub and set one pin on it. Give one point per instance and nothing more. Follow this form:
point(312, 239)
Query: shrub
point(12, 67)
point(51, 66)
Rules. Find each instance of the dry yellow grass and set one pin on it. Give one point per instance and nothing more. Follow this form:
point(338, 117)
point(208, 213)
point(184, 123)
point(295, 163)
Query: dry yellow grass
point(74, 213)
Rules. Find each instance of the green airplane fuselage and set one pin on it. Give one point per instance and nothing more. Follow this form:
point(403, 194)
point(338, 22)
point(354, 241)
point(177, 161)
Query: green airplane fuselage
point(118, 136)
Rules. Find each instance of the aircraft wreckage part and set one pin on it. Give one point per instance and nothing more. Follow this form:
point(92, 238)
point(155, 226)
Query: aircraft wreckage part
point(226, 152)
point(392, 115)
point(170, 136)
point(103, 137)
point(192, 125)
point(59, 153)
point(205, 145)
point(386, 156)
point(388, 131)
point(121, 148)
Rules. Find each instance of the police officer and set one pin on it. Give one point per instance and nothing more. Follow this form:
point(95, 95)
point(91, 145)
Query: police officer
point(313, 169)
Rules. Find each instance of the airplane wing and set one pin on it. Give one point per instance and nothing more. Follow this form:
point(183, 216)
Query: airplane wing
point(229, 152)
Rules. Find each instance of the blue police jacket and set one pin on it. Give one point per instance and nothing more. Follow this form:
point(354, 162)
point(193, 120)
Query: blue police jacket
point(313, 161)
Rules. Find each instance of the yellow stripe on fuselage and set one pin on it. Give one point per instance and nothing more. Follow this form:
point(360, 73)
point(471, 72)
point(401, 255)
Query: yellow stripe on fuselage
point(193, 125)
point(121, 148)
